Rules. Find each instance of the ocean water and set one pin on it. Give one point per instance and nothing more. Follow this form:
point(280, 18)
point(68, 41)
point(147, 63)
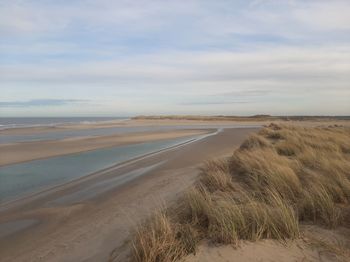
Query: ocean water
point(21, 179)
point(12, 122)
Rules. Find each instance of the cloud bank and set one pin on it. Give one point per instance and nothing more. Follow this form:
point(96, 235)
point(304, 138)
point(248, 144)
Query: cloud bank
point(151, 57)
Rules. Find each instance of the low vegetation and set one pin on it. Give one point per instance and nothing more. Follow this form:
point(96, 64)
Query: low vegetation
point(278, 179)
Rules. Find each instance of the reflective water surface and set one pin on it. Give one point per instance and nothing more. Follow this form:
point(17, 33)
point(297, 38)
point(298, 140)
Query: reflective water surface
point(21, 179)
point(54, 135)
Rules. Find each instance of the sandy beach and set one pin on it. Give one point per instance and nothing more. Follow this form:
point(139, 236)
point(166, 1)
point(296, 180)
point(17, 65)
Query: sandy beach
point(162, 122)
point(89, 219)
point(124, 123)
point(81, 221)
point(26, 151)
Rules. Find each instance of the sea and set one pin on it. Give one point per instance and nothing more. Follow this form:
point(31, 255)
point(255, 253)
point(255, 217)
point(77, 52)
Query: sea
point(17, 122)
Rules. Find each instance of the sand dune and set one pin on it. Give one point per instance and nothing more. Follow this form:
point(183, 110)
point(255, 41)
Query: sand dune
point(279, 183)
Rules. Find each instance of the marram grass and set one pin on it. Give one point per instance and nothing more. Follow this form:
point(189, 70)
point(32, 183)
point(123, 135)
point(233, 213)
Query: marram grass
point(277, 179)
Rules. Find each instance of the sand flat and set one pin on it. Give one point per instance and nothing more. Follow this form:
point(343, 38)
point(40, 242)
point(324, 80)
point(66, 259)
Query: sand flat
point(82, 230)
point(26, 151)
point(162, 122)
point(124, 123)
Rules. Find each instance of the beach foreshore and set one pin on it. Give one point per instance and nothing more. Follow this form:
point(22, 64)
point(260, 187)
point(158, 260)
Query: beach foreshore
point(32, 150)
point(89, 218)
point(165, 122)
point(122, 123)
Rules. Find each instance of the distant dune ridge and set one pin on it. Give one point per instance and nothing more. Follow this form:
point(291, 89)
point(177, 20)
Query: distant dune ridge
point(260, 117)
point(284, 182)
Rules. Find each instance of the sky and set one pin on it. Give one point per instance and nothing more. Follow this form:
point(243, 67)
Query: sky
point(209, 57)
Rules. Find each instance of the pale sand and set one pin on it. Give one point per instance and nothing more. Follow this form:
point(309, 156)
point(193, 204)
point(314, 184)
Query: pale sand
point(89, 230)
point(261, 251)
point(316, 244)
point(26, 151)
point(265, 250)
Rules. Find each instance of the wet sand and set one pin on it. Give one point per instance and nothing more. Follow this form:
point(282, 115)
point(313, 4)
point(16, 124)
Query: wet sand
point(124, 123)
point(26, 151)
point(87, 219)
point(163, 122)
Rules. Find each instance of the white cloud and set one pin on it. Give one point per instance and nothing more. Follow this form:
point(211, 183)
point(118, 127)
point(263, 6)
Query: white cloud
point(209, 17)
point(283, 64)
point(285, 80)
point(148, 55)
point(325, 15)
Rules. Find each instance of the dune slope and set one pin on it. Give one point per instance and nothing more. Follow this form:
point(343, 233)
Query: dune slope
point(285, 183)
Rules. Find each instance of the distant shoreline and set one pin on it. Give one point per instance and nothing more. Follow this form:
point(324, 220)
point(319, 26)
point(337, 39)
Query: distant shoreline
point(241, 118)
point(185, 120)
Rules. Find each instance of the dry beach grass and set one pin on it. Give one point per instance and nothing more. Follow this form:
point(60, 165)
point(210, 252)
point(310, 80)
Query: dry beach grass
point(279, 180)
